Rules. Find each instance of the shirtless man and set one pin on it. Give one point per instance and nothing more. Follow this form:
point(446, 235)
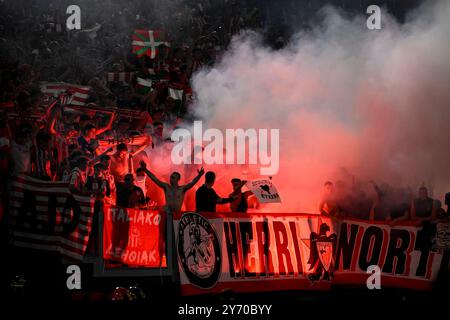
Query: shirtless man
point(174, 194)
point(121, 161)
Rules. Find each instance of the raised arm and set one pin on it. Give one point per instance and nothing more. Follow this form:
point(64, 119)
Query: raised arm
point(48, 112)
point(141, 148)
point(108, 126)
point(52, 128)
point(195, 180)
point(158, 182)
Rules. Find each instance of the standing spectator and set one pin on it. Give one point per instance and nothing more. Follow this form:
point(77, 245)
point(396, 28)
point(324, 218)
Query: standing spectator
point(77, 178)
point(239, 204)
point(120, 163)
point(99, 188)
point(141, 180)
point(87, 141)
point(447, 203)
point(83, 120)
point(328, 204)
point(122, 160)
point(174, 195)
point(206, 197)
point(43, 159)
point(122, 129)
point(21, 151)
point(440, 212)
point(423, 208)
point(128, 194)
point(105, 161)
point(97, 184)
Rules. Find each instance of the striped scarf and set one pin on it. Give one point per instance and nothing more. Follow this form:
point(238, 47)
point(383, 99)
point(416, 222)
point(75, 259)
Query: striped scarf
point(43, 164)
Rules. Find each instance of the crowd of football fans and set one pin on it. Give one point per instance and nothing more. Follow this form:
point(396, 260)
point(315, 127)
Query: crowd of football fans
point(97, 145)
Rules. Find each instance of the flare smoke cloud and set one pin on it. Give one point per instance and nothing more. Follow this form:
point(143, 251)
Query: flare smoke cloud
point(375, 102)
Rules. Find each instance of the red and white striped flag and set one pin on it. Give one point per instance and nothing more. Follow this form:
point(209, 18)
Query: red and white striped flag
point(126, 77)
point(46, 216)
point(80, 94)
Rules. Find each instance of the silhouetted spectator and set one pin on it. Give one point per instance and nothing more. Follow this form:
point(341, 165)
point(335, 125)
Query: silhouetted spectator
point(423, 208)
point(328, 204)
point(128, 194)
point(206, 197)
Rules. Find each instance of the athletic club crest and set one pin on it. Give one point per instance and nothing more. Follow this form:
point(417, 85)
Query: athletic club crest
point(198, 250)
point(321, 257)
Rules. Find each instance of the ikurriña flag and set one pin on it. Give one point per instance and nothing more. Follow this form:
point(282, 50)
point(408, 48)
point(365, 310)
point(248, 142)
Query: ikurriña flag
point(148, 42)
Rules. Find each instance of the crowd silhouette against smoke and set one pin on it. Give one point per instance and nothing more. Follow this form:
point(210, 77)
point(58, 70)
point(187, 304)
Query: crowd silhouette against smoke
point(353, 105)
point(89, 114)
point(363, 109)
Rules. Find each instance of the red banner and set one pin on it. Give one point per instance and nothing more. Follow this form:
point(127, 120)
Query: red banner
point(131, 236)
point(264, 252)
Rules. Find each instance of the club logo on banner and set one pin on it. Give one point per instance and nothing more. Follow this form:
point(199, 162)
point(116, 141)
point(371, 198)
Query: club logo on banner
point(289, 251)
point(264, 190)
point(321, 255)
point(199, 250)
